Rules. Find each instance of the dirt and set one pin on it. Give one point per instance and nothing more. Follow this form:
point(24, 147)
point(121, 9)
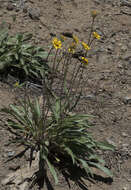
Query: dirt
point(108, 89)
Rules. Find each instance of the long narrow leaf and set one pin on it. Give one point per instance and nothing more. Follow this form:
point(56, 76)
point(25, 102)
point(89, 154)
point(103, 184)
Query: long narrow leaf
point(104, 169)
point(52, 170)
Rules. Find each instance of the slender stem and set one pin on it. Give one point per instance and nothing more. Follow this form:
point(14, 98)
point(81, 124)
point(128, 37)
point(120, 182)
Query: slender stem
point(49, 53)
point(81, 87)
point(73, 80)
point(91, 31)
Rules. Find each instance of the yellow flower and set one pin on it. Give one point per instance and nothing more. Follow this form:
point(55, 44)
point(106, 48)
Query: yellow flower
point(94, 13)
point(85, 46)
point(16, 84)
point(84, 61)
point(71, 50)
point(75, 38)
point(72, 47)
point(96, 35)
point(56, 43)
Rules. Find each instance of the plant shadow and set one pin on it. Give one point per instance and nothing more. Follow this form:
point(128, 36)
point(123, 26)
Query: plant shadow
point(70, 173)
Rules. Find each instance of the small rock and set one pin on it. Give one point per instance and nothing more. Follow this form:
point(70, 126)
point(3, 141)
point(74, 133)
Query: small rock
point(52, 34)
point(17, 9)
point(124, 48)
point(89, 97)
point(34, 13)
point(126, 187)
point(14, 167)
point(110, 47)
point(25, 9)
point(126, 10)
point(110, 141)
point(129, 45)
point(11, 153)
point(127, 99)
point(125, 3)
point(97, 1)
point(125, 145)
point(127, 56)
point(40, 26)
point(113, 41)
point(10, 7)
point(124, 134)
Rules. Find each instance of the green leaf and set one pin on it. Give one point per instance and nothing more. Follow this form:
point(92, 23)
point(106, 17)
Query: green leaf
point(37, 108)
point(52, 170)
point(22, 61)
point(27, 37)
point(56, 109)
point(86, 167)
point(19, 37)
point(16, 56)
point(104, 169)
point(105, 146)
point(95, 157)
point(41, 54)
point(69, 151)
point(26, 70)
point(15, 125)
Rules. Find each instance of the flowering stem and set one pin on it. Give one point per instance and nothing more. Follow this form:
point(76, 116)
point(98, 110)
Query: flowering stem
point(78, 98)
point(49, 53)
point(91, 31)
point(73, 79)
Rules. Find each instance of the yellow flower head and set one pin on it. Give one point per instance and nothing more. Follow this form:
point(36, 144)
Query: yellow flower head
point(56, 43)
point(96, 35)
point(16, 84)
point(71, 50)
point(94, 13)
point(76, 40)
point(72, 47)
point(85, 46)
point(84, 61)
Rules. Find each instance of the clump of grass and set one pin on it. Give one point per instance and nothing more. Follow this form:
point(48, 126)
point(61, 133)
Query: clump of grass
point(20, 58)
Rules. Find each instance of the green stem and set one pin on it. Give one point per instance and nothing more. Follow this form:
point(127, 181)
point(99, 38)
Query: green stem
point(91, 31)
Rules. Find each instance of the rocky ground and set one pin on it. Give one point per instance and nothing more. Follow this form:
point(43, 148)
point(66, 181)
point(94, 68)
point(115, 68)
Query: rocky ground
point(108, 89)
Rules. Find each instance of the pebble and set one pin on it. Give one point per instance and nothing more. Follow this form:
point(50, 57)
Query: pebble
point(129, 45)
point(14, 167)
point(127, 99)
point(11, 153)
point(126, 187)
point(34, 13)
point(124, 134)
point(110, 141)
point(127, 56)
point(10, 7)
point(89, 97)
point(97, 1)
point(113, 41)
point(125, 3)
point(125, 146)
point(110, 47)
point(124, 48)
point(103, 1)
